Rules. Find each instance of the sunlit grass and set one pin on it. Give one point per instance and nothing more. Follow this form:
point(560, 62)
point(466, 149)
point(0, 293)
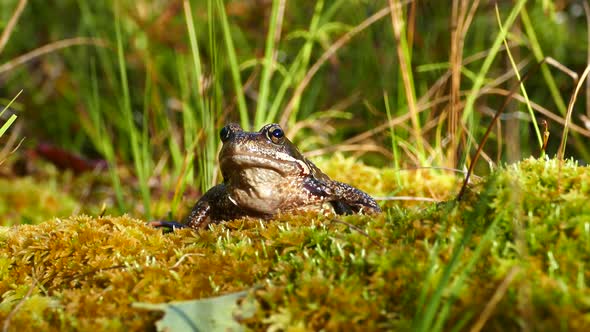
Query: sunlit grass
point(11, 118)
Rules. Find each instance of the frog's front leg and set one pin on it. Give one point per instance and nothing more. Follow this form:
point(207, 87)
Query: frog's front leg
point(200, 215)
point(208, 207)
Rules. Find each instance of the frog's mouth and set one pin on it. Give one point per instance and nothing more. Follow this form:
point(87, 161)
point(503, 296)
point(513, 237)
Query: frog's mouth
point(280, 163)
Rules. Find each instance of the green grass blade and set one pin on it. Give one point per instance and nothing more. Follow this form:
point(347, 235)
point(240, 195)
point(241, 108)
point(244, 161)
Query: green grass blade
point(102, 141)
point(307, 49)
point(12, 118)
point(539, 56)
point(234, 66)
point(7, 124)
point(196, 56)
point(522, 88)
point(485, 67)
point(394, 147)
point(299, 66)
point(267, 67)
point(131, 129)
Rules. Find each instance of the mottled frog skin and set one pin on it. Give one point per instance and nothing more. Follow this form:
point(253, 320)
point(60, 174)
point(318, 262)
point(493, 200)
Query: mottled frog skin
point(264, 174)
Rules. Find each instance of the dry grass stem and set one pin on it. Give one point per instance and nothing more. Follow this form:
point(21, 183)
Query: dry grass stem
point(11, 24)
point(564, 69)
point(405, 66)
point(498, 295)
point(407, 198)
point(182, 258)
point(587, 12)
point(277, 36)
point(570, 109)
point(350, 147)
point(6, 325)
point(358, 229)
point(52, 47)
point(545, 112)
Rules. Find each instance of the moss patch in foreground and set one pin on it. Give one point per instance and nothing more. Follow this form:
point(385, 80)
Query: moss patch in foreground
point(530, 220)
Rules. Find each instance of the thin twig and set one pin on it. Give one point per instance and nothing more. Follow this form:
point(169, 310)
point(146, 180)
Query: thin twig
point(183, 257)
point(407, 198)
point(16, 308)
point(11, 24)
point(350, 147)
point(358, 229)
point(492, 123)
point(570, 109)
point(547, 113)
point(498, 295)
point(404, 63)
point(277, 36)
point(564, 69)
point(587, 11)
point(450, 169)
point(51, 47)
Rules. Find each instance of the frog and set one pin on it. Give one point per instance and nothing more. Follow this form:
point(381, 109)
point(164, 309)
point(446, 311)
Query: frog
point(265, 175)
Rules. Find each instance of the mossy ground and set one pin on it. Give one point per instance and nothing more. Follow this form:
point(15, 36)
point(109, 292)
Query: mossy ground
point(530, 220)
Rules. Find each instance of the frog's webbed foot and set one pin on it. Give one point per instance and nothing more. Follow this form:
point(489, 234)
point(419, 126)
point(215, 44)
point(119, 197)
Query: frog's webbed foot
point(341, 208)
point(198, 218)
point(351, 199)
point(171, 225)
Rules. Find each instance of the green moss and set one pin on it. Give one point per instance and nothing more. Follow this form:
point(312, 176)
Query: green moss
point(317, 273)
point(26, 201)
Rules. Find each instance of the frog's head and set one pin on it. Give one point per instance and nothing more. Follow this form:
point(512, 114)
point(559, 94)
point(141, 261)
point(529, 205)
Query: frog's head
point(259, 157)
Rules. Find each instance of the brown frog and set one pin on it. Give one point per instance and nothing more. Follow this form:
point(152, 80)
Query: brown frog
point(264, 174)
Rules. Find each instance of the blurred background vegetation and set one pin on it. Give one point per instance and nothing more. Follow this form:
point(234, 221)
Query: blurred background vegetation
point(140, 88)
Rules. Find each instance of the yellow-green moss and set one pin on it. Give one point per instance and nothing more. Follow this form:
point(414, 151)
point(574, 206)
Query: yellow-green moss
point(317, 273)
point(25, 201)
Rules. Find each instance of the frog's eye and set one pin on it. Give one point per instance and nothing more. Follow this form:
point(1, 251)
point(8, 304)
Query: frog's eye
point(275, 134)
point(225, 133)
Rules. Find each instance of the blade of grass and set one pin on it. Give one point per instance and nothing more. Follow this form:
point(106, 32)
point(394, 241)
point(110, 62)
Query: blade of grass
point(196, 56)
point(405, 61)
point(522, 88)
point(394, 147)
point(131, 129)
point(267, 67)
point(234, 66)
point(468, 109)
point(10, 103)
point(297, 70)
point(459, 281)
point(428, 319)
point(7, 31)
point(587, 12)
point(324, 57)
point(570, 109)
point(7, 124)
point(203, 124)
point(485, 67)
point(102, 141)
point(539, 56)
point(216, 100)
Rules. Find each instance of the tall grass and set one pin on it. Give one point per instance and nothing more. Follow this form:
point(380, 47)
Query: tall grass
point(133, 134)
